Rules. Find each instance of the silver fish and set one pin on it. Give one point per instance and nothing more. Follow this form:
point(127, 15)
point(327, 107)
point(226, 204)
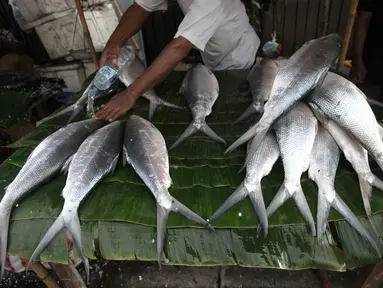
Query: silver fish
point(302, 72)
point(259, 166)
point(357, 156)
point(295, 133)
point(261, 78)
point(201, 90)
point(133, 68)
point(43, 163)
point(97, 156)
point(323, 165)
point(343, 102)
point(145, 149)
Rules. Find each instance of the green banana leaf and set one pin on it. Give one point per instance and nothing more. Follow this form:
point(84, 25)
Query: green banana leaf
point(203, 177)
point(14, 108)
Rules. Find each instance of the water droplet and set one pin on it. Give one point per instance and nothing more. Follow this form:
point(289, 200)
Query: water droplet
point(240, 214)
point(140, 278)
point(166, 260)
point(17, 205)
point(153, 240)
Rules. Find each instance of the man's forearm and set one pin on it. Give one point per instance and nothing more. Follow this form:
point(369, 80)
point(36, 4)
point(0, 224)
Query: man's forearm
point(168, 59)
point(361, 29)
point(131, 22)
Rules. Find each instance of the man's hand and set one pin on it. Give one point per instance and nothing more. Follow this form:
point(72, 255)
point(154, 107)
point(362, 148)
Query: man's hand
point(358, 71)
point(117, 106)
point(110, 55)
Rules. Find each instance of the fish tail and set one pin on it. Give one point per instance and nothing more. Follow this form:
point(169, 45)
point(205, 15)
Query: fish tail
point(74, 227)
point(322, 214)
point(252, 109)
point(67, 110)
point(76, 110)
point(303, 207)
point(256, 198)
point(162, 220)
point(156, 101)
point(4, 226)
point(239, 194)
point(209, 132)
point(346, 212)
point(56, 227)
point(193, 128)
point(278, 200)
point(366, 190)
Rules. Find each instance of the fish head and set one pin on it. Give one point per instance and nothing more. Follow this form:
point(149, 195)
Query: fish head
point(325, 50)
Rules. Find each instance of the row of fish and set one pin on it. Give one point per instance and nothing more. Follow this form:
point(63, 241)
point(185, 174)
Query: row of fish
point(88, 151)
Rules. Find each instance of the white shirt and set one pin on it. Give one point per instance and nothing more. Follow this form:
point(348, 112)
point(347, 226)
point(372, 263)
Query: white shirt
point(220, 29)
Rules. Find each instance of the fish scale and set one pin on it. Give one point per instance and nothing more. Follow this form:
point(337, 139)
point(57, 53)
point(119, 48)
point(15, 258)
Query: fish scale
point(295, 133)
point(324, 162)
point(302, 72)
point(97, 156)
point(44, 162)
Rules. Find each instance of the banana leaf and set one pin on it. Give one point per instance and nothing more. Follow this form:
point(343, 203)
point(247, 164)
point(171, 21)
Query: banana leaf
point(203, 177)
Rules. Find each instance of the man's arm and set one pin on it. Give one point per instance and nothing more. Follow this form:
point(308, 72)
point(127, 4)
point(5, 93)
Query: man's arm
point(168, 59)
point(131, 22)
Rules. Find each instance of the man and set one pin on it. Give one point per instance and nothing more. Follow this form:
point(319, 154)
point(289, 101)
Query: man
point(367, 59)
point(219, 29)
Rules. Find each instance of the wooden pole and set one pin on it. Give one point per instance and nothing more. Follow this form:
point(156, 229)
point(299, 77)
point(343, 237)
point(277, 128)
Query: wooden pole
point(44, 275)
point(86, 31)
point(347, 34)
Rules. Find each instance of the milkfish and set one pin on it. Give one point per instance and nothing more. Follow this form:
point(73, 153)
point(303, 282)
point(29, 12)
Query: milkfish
point(302, 72)
point(323, 165)
point(261, 78)
point(97, 157)
point(43, 163)
point(201, 90)
point(341, 101)
point(130, 70)
point(259, 166)
point(357, 156)
point(295, 133)
point(145, 149)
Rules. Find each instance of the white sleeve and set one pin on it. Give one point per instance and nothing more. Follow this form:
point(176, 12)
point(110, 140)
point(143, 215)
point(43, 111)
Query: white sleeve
point(201, 22)
point(153, 5)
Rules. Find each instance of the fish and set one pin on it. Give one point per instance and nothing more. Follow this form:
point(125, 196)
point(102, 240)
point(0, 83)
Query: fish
point(357, 156)
point(130, 70)
point(295, 131)
point(201, 90)
point(43, 163)
point(97, 157)
point(302, 72)
point(261, 78)
point(323, 165)
point(145, 150)
point(259, 166)
point(342, 101)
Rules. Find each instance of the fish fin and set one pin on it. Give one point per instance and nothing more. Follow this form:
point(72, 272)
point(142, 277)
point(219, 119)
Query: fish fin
point(366, 190)
point(320, 78)
point(62, 112)
point(256, 198)
point(113, 164)
point(239, 194)
point(74, 227)
point(209, 132)
point(256, 132)
point(76, 110)
point(4, 230)
point(66, 165)
point(185, 211)
point(155, 102)
point(162, 220)
point(125, 156)
point(281, 197)
point(56, 227)
point(303, 207)
point(323, 211)
point(346, 212)
point(186, 134)
point(252, 109)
